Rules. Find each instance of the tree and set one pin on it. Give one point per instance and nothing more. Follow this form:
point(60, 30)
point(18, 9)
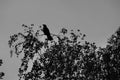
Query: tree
point(65, 59)
point(109, 58)
point(113, 51)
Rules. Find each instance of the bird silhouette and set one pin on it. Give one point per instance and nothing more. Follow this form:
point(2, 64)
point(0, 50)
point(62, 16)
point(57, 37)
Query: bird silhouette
point(47, 32)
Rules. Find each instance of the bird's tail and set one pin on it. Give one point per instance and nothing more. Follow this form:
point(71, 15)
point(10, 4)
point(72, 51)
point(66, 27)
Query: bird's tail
point(49, 37)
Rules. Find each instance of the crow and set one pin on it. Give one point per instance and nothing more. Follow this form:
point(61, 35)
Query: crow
point(47, 32)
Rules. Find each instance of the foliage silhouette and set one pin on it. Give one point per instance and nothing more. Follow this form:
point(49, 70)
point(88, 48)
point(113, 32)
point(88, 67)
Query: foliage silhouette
point(113, 54)
point(67, 58)
point(1, 73)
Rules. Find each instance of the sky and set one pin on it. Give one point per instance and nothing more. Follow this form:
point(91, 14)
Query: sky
point(98, 19)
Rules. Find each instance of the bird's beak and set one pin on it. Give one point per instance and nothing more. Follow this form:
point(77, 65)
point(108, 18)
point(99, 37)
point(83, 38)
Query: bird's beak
point(40, 28)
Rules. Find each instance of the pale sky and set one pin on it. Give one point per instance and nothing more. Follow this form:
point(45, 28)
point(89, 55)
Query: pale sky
point(98, 19)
